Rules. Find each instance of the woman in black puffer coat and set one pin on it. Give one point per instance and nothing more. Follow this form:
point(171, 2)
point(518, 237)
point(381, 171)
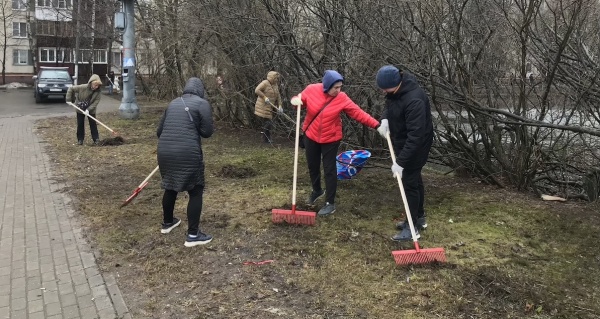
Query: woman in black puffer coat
point(185, 122)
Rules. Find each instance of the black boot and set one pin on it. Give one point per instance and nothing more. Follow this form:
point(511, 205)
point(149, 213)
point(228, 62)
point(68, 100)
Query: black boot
point(80, 142)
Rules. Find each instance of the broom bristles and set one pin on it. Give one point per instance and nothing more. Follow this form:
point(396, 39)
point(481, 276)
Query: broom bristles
point(423, 256)
point(298, 217)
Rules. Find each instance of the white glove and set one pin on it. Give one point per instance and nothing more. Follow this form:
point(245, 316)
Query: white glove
point(86, 112)
point(397, 169)
point(297, 100)
point(267, 100)
point(383, 128)
point(280, 110)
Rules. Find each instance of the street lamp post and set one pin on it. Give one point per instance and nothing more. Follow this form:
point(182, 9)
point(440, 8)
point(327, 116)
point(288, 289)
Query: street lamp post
point(128, 108)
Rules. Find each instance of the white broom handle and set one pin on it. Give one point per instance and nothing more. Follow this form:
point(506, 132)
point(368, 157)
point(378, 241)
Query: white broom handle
point(149, 176)
point(284, 115)
point(298, 107)
point(408, 215)
point(111, 82)
point(88, 115)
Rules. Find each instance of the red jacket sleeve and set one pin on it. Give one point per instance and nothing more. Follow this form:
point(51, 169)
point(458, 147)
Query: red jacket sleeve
point(355, 112)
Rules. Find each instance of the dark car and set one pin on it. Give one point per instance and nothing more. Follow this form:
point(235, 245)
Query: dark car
point(51, 82)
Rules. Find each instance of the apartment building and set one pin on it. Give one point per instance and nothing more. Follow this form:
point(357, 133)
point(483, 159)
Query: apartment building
point(46, 32)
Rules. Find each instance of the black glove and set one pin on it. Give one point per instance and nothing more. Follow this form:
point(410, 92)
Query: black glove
point(83, 105)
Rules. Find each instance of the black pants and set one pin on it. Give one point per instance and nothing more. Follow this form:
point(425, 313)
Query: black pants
point(266, 126)
point(415, 192)
point(81, 127)
point(327, 152)
point(194, 208)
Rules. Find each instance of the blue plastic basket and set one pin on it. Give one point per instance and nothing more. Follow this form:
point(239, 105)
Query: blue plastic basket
point(349, 163)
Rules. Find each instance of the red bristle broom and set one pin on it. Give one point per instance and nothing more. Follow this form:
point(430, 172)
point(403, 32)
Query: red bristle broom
point(417, 255)
point(293, 216)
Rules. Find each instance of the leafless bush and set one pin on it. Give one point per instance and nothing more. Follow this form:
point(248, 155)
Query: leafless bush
point(514, 84)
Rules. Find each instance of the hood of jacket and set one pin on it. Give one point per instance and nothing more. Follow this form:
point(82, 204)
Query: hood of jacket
point(330, 78)
point(94, 77)
point(273, 77)
point(194, 86)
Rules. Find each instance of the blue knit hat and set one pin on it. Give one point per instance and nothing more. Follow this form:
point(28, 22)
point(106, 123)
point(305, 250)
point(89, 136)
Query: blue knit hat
point(388, 76)
point(330, 78)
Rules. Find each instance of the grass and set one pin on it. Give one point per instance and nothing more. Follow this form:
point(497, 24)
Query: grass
point(509, 255)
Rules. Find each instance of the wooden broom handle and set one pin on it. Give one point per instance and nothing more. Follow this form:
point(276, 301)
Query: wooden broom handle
point(296, 151)
point(88, 115)
point(408, 215)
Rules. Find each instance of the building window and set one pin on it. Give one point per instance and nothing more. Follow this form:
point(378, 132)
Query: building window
point(47, 55)
point(19, 4)
point(54, 28)
point(116, 59)
point(58, 4)
point(19, 30)
point(55, 55)
point(45, 27)
point(63, 4)
point(99, 56)
point(84, 56)
point(21, 57)
point(63, 55)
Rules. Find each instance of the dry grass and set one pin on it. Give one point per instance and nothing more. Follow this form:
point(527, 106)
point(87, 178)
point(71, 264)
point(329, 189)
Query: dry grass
point(510, 256)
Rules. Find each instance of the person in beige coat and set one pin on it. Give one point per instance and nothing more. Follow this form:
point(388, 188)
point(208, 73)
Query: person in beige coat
point(268, 98)
point(86, 97)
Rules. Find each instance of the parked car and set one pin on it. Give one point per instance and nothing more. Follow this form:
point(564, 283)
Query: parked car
point(51, 82)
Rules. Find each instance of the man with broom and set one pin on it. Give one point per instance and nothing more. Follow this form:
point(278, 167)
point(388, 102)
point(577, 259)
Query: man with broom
point(407, 118)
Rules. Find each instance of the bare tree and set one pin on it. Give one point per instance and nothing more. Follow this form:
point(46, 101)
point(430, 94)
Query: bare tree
point(5, 31)
point(514, 84)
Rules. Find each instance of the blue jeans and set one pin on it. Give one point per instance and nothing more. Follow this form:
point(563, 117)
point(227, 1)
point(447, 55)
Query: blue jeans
point(110, 89)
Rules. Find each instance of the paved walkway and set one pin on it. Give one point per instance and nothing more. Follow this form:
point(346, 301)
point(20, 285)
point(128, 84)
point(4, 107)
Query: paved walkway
point(47, 269)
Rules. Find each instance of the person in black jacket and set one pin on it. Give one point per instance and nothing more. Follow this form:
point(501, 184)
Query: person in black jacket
point(185, 122)
point(407, 117)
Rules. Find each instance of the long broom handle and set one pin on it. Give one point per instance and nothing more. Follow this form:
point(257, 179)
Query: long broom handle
point(109, 80)
point(284, 115)
point(296, 151)
point(88, 115)
point(408, 215)
point(149, 176)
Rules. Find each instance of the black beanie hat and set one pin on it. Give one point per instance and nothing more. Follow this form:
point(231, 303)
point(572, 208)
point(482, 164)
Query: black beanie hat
point(388, 76)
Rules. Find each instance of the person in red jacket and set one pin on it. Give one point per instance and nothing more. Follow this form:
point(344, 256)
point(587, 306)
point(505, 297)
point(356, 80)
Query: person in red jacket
point(322, 127)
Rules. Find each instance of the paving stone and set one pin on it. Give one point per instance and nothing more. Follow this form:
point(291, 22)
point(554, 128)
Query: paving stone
point(35, 306)
point(37, 315)
point(45, 261)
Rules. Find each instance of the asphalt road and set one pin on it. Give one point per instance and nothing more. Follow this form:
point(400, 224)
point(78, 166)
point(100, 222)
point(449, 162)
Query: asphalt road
point(20, 102)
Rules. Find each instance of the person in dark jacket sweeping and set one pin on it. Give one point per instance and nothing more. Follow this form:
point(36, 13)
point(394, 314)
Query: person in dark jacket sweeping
point(185, 122)
point(407, 117)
